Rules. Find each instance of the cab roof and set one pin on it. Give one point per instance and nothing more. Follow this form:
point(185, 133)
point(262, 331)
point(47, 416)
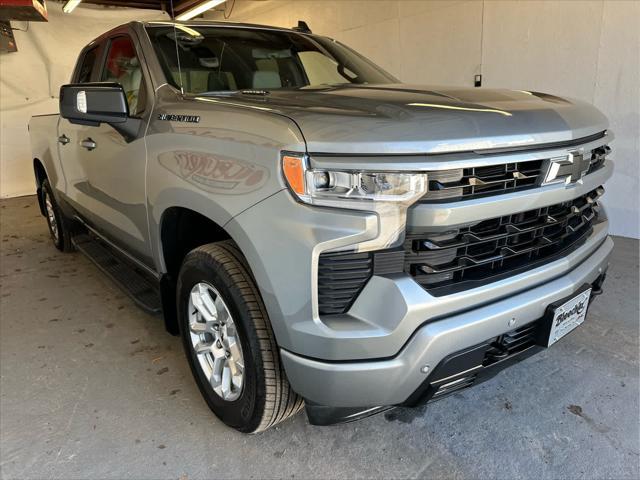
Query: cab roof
point(213, 23)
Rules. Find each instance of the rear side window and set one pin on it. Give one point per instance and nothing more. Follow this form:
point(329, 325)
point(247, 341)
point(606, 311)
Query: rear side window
point(86, 69)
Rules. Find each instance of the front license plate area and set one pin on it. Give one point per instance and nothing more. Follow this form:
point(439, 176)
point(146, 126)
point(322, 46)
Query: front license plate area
point(565, 315)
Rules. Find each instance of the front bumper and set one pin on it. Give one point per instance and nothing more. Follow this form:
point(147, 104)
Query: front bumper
point(393, 380)
point(282, 241)
point(373, 354)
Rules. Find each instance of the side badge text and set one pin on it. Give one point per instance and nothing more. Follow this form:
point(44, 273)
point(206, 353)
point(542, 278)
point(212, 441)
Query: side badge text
point(179, 118)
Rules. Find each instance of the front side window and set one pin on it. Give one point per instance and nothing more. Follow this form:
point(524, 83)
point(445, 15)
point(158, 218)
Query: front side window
point(209, 59)
point(86, 68)
point(123, 67)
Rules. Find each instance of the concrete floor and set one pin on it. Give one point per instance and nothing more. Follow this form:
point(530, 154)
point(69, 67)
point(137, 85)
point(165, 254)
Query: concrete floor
point(92, 387)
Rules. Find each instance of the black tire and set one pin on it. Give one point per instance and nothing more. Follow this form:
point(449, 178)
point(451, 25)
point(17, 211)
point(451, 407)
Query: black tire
point(266, 397)
point(60, 232)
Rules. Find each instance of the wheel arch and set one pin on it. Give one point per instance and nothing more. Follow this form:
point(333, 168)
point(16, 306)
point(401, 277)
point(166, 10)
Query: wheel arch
point(182, 229)
point(40, 174)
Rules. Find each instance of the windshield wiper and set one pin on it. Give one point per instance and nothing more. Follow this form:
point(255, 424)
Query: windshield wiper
point(259, 92)
point(246, 91)
point(218, 92)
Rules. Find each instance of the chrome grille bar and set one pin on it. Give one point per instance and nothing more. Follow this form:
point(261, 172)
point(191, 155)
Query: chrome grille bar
point(465, 183)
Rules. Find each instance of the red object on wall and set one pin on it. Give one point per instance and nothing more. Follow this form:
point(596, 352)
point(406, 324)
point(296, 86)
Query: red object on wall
point(26, 10)
point(7, 42)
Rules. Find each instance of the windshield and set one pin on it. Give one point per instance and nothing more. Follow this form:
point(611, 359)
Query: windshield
point(209, 59)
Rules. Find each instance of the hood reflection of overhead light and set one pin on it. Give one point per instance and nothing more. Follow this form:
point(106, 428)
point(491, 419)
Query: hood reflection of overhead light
point(235, 104)
point(198, 9)
point(70, 6)
point(468, 109)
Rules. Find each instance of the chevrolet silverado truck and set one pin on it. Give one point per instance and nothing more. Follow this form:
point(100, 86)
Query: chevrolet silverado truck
point(320, 235)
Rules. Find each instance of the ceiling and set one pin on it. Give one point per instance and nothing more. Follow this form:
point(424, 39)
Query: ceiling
point(179, 6)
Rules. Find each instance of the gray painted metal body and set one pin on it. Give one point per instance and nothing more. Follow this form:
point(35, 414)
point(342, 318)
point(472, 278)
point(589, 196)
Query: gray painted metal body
point(227, 168)
point(391, 381)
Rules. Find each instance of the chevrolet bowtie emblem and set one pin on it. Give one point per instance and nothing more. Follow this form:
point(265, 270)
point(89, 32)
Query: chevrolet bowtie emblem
point(569, 168)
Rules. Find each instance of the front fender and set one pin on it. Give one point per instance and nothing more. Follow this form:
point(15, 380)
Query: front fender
point(218, 167)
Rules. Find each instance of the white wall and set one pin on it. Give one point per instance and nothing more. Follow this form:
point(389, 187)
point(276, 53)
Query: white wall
point(30, 79)
point(582, 49)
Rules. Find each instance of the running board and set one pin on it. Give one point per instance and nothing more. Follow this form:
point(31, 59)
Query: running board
point(135, 284)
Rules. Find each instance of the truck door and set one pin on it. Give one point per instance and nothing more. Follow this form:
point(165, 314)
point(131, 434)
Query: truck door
point(106, 180)
point(69, 134)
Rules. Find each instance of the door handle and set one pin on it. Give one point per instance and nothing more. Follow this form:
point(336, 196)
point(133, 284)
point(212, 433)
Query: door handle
point(63, 139)
point(88, 144)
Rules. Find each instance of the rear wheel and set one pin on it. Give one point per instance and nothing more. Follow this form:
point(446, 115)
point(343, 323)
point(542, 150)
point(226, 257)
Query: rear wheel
point(58, 225)
point(229, 342)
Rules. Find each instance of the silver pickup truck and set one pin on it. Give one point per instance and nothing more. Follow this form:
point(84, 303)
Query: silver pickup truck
point(319, 234)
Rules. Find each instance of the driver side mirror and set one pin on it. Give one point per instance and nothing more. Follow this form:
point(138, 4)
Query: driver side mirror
point(93, 103)
point(100, 102)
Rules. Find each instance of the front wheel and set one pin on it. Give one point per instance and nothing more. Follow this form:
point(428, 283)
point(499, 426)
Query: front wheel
point(58, 225)
point(229, 342)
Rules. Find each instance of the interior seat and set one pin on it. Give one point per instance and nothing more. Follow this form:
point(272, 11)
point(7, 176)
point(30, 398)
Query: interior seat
point(130, 81)
point(265, 79)
point(217, 81)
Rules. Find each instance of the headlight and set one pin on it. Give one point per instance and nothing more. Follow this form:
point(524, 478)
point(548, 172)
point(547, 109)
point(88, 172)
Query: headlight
point(388, 194)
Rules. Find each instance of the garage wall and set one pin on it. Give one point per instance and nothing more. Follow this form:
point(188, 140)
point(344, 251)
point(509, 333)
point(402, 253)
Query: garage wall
point(583, 49)
point(30, 79)
point(589, 50)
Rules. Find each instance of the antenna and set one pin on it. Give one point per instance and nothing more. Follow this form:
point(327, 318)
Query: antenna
point(175, 39)
point(302, 27)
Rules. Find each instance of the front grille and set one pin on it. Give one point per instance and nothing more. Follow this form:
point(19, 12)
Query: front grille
point(481, 181)
point(598, 157)
point(467, 183)
point(447, 262)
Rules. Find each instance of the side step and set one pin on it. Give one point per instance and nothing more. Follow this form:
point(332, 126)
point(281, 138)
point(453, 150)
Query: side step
point(142, 290)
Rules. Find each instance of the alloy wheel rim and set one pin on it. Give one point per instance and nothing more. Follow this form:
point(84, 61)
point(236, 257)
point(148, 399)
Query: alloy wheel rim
point(215, 341)
point(51, 217)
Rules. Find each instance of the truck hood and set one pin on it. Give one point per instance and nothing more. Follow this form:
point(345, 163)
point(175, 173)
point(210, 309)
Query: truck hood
point(410, 119)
